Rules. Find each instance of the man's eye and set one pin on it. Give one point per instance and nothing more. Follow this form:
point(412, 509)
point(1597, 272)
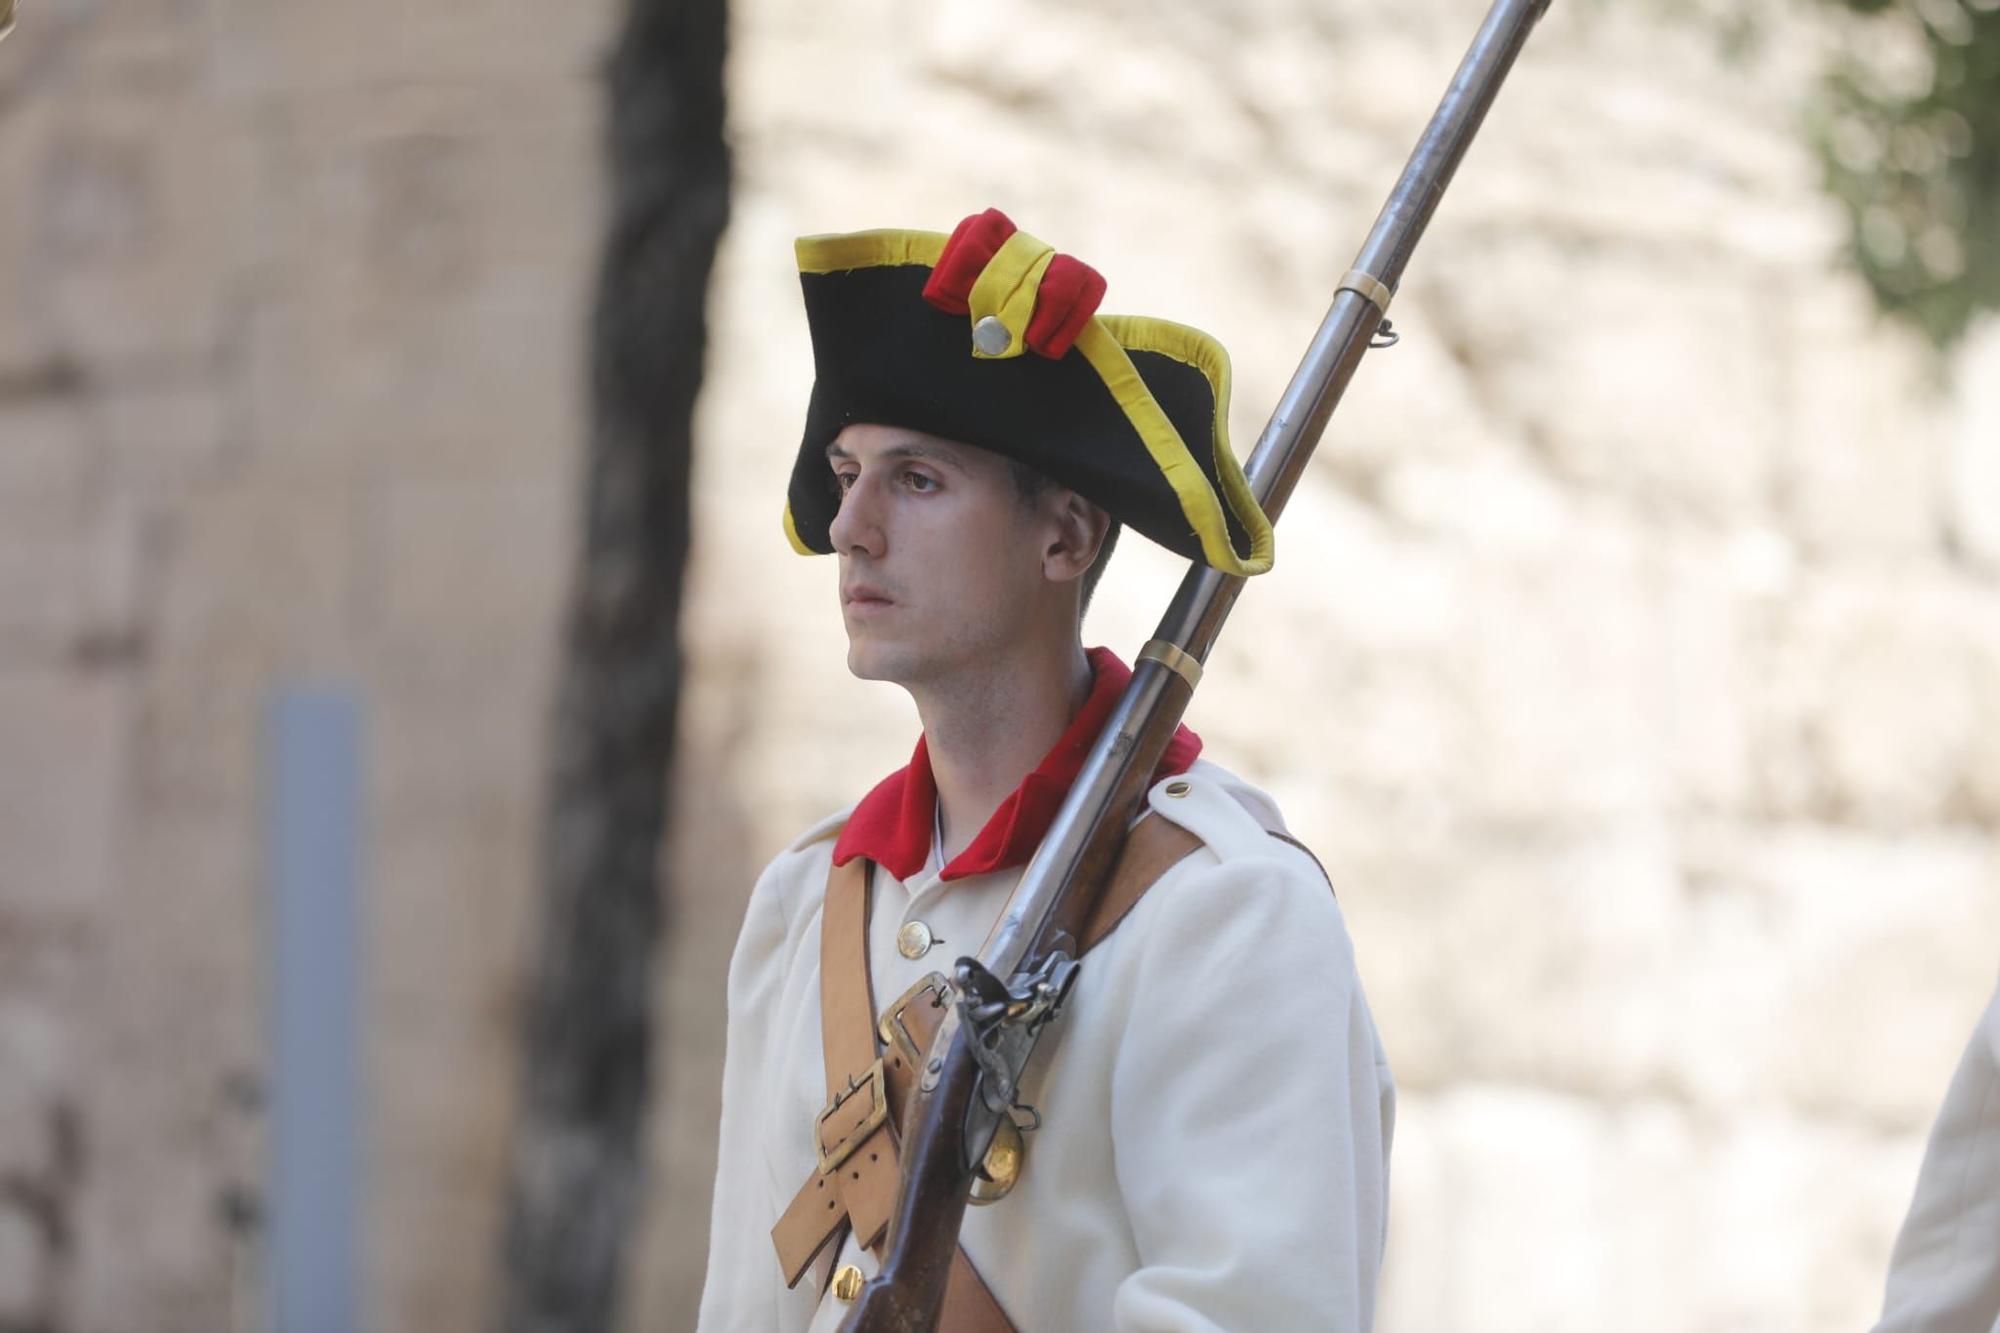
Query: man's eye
point(919, 481)
point(843, 480)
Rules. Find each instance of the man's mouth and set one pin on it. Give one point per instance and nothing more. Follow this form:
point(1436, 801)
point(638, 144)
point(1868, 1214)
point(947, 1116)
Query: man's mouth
point(863, 600)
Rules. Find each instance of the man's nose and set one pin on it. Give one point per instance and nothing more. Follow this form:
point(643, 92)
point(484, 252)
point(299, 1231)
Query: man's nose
point(857, 526)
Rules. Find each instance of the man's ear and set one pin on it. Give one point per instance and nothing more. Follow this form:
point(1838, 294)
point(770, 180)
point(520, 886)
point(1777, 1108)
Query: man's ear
point(1078, 528)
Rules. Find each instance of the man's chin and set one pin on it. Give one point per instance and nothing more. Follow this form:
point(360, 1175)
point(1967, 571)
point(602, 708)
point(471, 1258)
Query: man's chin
point(868, 661)
point(871, 659)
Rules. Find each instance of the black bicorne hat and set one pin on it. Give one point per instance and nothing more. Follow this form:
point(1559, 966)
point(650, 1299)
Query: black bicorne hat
point(991, 338)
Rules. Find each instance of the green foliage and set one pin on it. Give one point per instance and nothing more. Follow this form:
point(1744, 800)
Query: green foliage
point(1908, 129)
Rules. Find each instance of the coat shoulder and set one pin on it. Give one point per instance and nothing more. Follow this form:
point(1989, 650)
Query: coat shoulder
point(1232, 817)
point(822, 830)
point(795, 877)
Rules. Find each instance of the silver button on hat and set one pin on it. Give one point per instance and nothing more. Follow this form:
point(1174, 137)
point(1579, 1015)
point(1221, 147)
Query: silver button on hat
point(990, 336)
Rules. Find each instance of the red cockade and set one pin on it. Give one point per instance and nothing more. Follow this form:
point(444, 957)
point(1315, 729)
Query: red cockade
point(1066, 298)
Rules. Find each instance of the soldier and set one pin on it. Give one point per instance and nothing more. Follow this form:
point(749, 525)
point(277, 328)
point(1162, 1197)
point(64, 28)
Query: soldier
point(1944, 1276)
point(1213, 1110)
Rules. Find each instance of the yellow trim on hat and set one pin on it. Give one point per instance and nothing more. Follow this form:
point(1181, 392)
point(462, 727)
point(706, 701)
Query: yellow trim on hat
point(840, 251)
point(1006, 288)
point(1103, 343)
point(792, 534)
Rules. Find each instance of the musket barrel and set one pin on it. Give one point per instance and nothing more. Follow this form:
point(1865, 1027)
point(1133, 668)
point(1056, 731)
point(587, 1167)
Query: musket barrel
point(1287, 441)
point(1195, 617)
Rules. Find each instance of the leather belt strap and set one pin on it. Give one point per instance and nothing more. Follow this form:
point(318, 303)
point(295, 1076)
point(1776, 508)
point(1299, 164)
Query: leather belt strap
point(1152, 848)
point(856, 1183)
point(969, 1304)
point(846, 998)
point(860, 1188)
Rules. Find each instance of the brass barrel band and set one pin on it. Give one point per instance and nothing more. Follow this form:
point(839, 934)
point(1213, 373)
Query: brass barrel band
point(1182, 664)
point(1368, 285)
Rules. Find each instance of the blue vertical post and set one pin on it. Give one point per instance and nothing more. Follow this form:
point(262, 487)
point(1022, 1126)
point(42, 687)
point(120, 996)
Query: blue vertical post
point(312, 783)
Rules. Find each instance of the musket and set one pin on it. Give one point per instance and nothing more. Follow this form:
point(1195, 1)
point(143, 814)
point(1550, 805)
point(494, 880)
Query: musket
point(1006, 996)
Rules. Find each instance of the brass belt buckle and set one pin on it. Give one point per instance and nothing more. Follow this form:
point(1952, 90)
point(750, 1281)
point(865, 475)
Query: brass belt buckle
point(1001, 1166)
point(876, 1087)
point(935, 991)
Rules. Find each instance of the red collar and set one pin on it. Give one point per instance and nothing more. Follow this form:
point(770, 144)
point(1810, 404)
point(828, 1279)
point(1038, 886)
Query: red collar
point(892, 824)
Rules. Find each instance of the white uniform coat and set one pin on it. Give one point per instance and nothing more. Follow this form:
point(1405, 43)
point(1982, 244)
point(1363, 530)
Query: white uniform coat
point(1945, 1274)
point(1216, 1106)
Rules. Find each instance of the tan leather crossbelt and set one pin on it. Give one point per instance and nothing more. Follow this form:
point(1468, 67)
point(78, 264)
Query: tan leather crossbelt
point(868, 1086)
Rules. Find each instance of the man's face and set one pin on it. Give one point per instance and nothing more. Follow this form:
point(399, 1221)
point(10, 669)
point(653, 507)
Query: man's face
point(941, 562)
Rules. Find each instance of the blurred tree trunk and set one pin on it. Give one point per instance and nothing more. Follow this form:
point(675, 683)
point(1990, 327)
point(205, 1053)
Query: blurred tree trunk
point(576, 1165)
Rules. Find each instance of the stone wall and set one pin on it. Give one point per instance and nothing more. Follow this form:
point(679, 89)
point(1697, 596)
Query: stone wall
point(290, 300)
point(1632, 659)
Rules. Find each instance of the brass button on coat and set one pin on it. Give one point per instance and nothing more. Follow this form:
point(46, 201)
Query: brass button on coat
point(914, 940)
point(846, 1283)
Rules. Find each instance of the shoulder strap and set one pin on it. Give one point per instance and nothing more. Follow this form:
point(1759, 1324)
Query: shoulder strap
point(856, 1179)
point(855, 1130)
point(846, 995)
point(1152, 847)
